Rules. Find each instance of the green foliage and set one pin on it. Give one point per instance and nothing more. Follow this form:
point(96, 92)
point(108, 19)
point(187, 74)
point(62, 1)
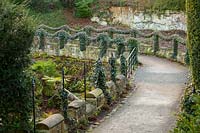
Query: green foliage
point(193, 21)
point(189, 119)
point(47, 68)
point(113, 69)
point(103, 40)
point(120, 45)
point(155, 43)
point(174, 5)
point(83, 41)
point(16, 34)
point(99, 79)
point(45, 5)
point(175, 49)
point(82, 8)
point(123, 66)
point(55, 18)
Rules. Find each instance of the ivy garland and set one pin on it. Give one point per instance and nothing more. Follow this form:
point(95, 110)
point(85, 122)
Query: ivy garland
point(99, 79)
point(62, 39)
point(123, 66)
point(120, 42)
point(42, 40)
point(175, 49)
point(104, 41)
point(156, 43)
point(83, 41)
point(113, 69)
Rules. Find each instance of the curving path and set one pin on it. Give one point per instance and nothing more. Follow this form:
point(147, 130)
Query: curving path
point(151, 108)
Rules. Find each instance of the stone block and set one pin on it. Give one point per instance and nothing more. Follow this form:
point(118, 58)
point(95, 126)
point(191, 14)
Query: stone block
point(52, 124)
point(77, 109)
point(121, 83)
point(112, 89)
point(96, 98)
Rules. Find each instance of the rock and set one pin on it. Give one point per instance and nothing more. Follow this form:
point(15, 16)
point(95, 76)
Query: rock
point(103, 23)
point(112, 89)
point(90, 109)
point(95, 19)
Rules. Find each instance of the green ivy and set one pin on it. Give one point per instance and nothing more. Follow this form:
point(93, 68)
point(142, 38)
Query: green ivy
point(113, 69)
point(155, 43)
point(193, 32)
point(103, 39)
point(83, 41)
point(175, 49)
point(99, 79)
point(120, 45)
point(16, 35)
point(123, 66)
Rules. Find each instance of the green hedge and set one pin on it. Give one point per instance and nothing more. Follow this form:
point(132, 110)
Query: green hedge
point(16, 34)
point(193, 32)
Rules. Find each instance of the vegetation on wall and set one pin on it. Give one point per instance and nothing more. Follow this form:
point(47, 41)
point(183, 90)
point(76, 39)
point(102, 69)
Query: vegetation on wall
point(16, 34)
point(188, 119)
point(193, 21)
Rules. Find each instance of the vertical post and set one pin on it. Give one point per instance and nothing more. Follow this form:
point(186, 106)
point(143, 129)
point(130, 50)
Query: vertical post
point(156, 43)
point(64, 96)
point(63, 79)
point(175, 49)
point(33, 100)
point(84, 67)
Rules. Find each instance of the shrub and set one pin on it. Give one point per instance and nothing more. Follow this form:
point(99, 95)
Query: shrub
point(45, 5)
point(47, 68)
point(83, 9)
point(174, 5)
point(16, 34)
point(193, 20)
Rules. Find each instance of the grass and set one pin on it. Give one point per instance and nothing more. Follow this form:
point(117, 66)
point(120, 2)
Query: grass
point(54, 18)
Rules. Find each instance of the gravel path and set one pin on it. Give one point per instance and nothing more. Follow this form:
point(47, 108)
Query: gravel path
point(151, 108)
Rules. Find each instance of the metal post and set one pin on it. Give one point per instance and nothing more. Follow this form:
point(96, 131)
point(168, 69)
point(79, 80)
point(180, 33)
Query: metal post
point(64, 96)
point(63, 79)
point(33, 100)
point(84, 70)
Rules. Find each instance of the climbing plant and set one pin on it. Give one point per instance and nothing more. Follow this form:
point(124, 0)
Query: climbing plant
point(193, 21)
point(16, 34)
point(99, 79)
point(123, 65)
point(103, 40)
point(156, 43)
point(120, 45)
point(113, 69)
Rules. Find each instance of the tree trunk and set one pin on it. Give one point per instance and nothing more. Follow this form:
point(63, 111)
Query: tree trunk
point(193, 34)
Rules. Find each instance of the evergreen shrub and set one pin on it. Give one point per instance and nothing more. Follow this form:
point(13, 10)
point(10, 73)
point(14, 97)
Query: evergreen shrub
point(16, 34)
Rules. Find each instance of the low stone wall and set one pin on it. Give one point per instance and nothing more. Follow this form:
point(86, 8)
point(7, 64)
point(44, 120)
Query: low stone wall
point(80, 110)
point(52, 124)
point(165, 52)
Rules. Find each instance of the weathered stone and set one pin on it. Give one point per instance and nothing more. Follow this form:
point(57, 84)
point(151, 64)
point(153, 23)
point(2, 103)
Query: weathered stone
point(96, 98)
point(94, 93)
point(77, 109)
point(112, 89)
point(77, 104)
point(121, 83)
point(90, 109)
point(52, 124)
